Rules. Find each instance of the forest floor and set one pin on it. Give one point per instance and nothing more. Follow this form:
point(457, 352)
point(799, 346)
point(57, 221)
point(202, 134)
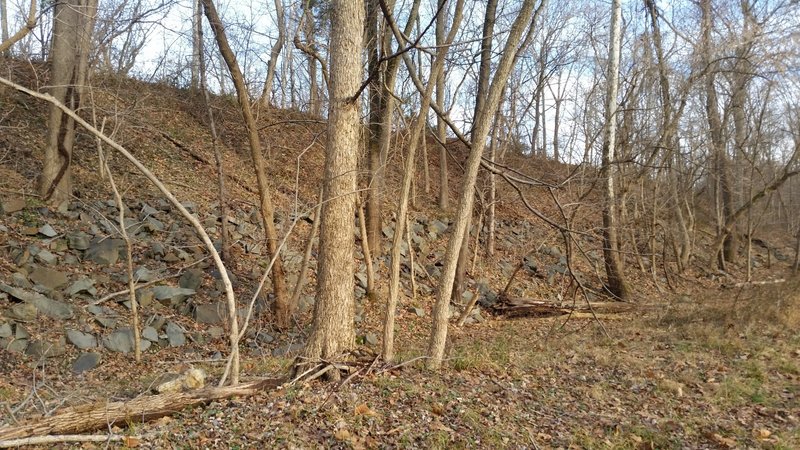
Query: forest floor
point(715, 369)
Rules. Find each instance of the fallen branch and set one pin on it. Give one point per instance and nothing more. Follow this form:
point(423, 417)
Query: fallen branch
point(99, 415)
point(39, 440)
point(755, 283)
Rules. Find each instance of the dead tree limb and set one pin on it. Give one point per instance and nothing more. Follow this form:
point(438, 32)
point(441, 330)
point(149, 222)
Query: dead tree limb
point(101, 415)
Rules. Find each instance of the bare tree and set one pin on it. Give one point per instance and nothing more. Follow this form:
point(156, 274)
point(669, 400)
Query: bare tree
point(274, 53)
point(615, 276)
point(333, 330)
point(408, 174)
point(72, 36)
point(483, 121)
point(282, 307)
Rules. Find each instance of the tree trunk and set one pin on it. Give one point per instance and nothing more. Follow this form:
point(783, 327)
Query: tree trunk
point(615, 277)
point(408, 175)
point(72, 37)
point(441, 133)
point(197, 42)
point(266, 94)
point(526, 17)
point(333, 330)
point(4, 26)
point(283, 308)
point(376, 112)
point(314, 106)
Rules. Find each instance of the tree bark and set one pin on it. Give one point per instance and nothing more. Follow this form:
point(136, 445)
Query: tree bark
point(526, 17)
point(4, 26)
point(333, 330)
point(441, 132)
point(374, 125)
point(615, 277)
point(72, 36)
point(104, 414)
point(408, 175)
point(266, 94)
point(197, 42)
point(282, 307)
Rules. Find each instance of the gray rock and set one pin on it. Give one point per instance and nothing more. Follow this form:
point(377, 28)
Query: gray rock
point(150, 334)
point(21, 280)
point(119, 341)
point(78, 240)
point(105, 252)
point(362, 279)
point(49, 278)
point(47, 257)
point(288, 349)
point(371, 339)
point(5, 330)
point(436, 227)
point(264, 338)
point(418, 311)
point(48, 231)
point(86, 361)
point(52, 308)
point(142, 274)
point(388, 231)
point(82, 285)
point(158, 249)
point(171, 295)
point(175, 335)
point(44, 349)
point(24, 312)
point(16, 345)
point(157, 322)
point(20, 332)
point(12, 205)
point(191, 279)
point(106, 322)
point(152, 224)
point(210, 314)
point(147, 210)
point(145, 297)
point(81, 340)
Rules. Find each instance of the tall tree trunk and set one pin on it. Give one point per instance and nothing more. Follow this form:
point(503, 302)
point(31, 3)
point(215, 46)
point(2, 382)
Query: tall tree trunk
point(615, 277)
point(376, 112)
point(417, 130)
point(4, 26)
point(480, 100)
point(314, 107)
point(197, 42)
point(526, 17)
point(282, 307)
point(72, 37)
point(717, 142)
point(266, 94)
point(441, 132)
point(333, 330)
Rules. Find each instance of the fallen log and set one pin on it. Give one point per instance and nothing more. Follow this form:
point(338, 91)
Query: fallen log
point(101, 415)
point(526, 307)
